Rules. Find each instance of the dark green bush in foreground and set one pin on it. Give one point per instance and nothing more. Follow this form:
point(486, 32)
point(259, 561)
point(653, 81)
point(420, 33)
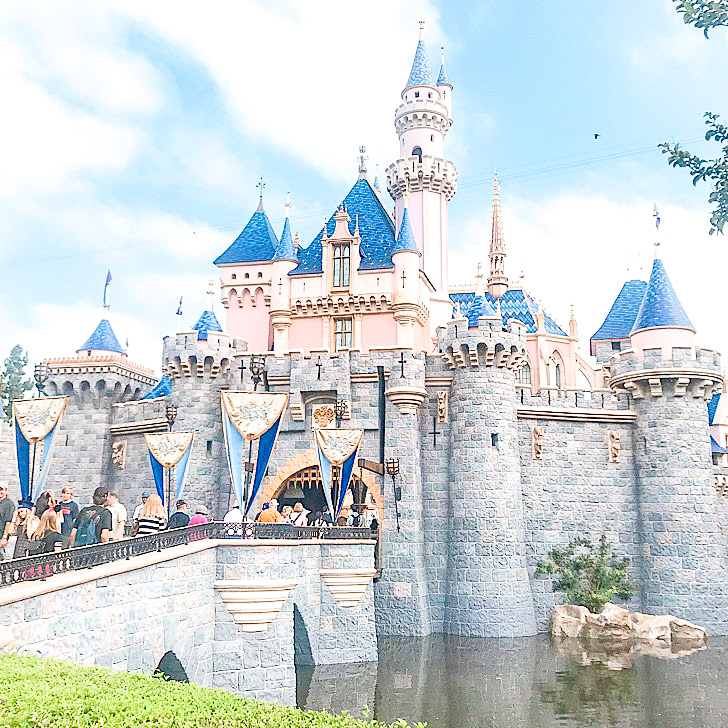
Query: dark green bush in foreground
point(41, 693)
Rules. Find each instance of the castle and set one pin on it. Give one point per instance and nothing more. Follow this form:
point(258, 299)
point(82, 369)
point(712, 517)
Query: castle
point(508, 441)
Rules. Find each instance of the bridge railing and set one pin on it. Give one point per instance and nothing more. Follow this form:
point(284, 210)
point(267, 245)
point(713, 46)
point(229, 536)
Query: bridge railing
point(32, 568)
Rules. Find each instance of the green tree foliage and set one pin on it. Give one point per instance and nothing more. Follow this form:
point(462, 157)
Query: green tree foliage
point(13, 384)
point(706, 14)
point(587, 573)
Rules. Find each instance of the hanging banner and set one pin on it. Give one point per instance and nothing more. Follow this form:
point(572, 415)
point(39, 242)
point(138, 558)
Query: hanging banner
point(337, 447)
point(166, 451)
point(250, 416)
point(36, 421)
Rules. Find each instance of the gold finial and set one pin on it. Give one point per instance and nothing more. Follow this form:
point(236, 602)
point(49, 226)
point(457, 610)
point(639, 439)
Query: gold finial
point(261, 187)
point(288, 203)
point(479, 275)
point(422, 28)
point(363, 162)
point(657, 249)
point(211, 293)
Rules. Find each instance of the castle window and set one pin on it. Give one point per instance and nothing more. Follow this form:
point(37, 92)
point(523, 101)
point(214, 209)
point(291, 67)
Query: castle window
point(523, 375)
point(342, 333)
point(233, 276)
point(342, 265)
point(429, 94)
point(417, 152)
point(616, 346)
point(417, 94)
point(247, 275)
point(432, 137)
point(557, 376)
point(260, 275)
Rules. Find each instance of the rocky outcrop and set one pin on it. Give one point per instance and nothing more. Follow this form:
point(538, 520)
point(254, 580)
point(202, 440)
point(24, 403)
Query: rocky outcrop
point(615, 634)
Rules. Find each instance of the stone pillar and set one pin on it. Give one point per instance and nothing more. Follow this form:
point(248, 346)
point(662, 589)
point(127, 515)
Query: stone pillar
point(683, 565)
point(489, 593)
point(402, 602)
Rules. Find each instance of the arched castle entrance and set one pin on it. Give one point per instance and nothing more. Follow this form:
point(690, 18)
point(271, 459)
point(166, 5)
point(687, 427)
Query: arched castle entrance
point(303, 471)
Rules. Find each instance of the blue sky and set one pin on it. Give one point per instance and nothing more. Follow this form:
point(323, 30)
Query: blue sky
point(134, 133)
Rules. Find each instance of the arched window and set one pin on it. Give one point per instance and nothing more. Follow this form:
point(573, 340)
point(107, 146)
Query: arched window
point(342, 263)
point(523, 375)
point(247, 275)
point(260, 275)
point(417, 152)
point(233, 276)
point(557, 376)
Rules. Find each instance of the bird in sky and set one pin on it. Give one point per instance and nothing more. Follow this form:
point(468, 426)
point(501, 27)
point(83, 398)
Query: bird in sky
point(596, 136)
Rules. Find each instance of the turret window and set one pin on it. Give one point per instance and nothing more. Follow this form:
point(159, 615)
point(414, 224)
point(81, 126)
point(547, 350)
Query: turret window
point(342, 333)
point(342, 265)
point(417, 152)
point(523, 375)
point(557, 376)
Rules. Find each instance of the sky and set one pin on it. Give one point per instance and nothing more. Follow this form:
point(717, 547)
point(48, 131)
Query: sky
point(133, 135)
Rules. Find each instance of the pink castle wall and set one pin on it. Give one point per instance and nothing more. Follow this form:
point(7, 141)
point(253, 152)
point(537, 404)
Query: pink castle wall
point(249, 322)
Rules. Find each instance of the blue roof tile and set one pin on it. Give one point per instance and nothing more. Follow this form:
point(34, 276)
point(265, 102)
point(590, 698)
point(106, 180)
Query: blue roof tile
point(713, 406)
point(102, 339)
point(442, 78)
point(375, 227)
point(622, 315)
point(207, 322)
point(660, 305)
point(479, 307)
point(514, 304)
point(257, 242)
point(406, 238)
point(716, 448)
point(163, 389)
point(286, 250)
point(420, 74)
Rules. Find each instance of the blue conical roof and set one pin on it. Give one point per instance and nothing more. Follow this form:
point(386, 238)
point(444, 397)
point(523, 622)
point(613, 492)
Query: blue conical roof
point(207, 322)
point(621, 317)
point(257, 241)
point(405, 239)
point(102, 339)
point(286, 250)
point(660, 306)
point(420, 74)
point(163, 389)
point(481, 307)
point(442, 78)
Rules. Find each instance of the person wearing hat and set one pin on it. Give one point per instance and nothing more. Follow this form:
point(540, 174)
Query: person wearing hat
point(138, 509)
point(180, 518)
point(201, 516)
point(23, 526)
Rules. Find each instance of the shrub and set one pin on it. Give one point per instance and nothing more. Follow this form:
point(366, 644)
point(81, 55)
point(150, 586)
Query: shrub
point(587, 573)
point(45, 693)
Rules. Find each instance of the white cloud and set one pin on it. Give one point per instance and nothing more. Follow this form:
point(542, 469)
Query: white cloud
point(576, 249)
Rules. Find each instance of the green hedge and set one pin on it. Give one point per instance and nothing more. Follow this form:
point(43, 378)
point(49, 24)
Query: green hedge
point(42, 693)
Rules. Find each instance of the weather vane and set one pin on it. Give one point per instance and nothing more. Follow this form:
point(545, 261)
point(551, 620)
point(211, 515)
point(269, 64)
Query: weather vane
point(422, 28)
point(261, 187)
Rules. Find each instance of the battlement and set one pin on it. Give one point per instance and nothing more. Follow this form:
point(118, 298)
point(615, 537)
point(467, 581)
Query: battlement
point(654, 375)
point(432, 174)
point(184, 355)
point(419, 113)
point(602, 399)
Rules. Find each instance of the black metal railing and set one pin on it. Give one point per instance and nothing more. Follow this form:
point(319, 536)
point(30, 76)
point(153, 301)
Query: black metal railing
point(31, 568)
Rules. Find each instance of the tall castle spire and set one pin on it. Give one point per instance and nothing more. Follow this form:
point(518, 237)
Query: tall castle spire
point(497, 280)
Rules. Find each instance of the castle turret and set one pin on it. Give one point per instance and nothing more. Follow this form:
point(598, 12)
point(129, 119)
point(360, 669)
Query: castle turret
point(443, 85)
point(284, 261)
point(669, 380)
point(489, 592)
point(422, 121)
point(102, 342)
point(406, 283)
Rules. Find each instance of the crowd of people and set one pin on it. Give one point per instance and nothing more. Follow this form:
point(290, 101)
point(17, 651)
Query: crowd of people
point(51, 524)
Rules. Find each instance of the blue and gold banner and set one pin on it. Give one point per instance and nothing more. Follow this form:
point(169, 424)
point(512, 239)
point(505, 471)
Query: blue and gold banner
point(250, 416)
point(36, 422)
point(166, 451)
point(337, 447)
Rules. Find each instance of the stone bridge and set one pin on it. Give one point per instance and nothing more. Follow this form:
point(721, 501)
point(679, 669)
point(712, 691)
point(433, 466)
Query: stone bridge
point(237, 613)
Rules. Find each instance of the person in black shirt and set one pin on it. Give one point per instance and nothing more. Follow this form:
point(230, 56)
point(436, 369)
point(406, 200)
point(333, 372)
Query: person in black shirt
point(179, 519)
point(101, 517)
point(7, 511)
point(70, 511)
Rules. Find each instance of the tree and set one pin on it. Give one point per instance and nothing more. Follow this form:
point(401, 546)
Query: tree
point(587, 573)
point(706, 14)
point(14, 384)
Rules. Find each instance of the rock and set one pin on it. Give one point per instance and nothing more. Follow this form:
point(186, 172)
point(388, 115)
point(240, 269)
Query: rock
point(567, 620)
point(7, 640)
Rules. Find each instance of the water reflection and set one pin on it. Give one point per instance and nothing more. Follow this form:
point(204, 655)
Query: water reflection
point(455, 682)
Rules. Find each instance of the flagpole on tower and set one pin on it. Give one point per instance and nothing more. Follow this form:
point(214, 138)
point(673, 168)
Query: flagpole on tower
point(107, 305)
point(656, 215)
point(179, 315)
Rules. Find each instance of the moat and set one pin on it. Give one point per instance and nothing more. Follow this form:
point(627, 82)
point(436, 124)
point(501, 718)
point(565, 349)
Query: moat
point(453, 682)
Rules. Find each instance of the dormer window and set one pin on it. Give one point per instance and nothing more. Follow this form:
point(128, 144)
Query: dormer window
point(342, 265)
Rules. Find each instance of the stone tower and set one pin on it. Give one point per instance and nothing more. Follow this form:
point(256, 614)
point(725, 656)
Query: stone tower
point(200, 363)
point(422, 120)
point(488, 592)
point(669, 379)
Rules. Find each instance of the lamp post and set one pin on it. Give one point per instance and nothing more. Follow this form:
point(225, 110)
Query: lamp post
point(170, 413)
point(257, 369)
point(392, 467)
point(40, 374)
point(341, 407)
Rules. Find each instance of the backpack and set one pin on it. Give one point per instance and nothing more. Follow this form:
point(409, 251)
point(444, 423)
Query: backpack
point(87, 533)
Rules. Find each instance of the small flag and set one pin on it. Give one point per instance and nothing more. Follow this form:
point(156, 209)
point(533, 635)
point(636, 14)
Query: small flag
point(179, 308)
point(106, 289)
point(656, 215)
point(127, 343)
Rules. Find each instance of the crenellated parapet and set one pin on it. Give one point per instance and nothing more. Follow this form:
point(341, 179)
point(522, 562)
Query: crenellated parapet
point(413, 174)
point(652, 375)
point(184, 356)
point(422, 114)
point(486, 345)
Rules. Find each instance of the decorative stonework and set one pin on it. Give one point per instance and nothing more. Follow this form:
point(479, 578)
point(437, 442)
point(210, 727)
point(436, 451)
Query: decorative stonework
point(323, 416)
point(408, 399)
point(537, 442)
point(347, 586)
point(615, 445)
point(118, 453)
point(254, 604)
point(442, 407)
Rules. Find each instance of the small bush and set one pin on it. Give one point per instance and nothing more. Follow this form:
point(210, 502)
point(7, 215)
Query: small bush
point(42, 693)
point(587, 573)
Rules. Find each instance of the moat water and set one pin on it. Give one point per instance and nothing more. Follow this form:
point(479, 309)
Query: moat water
point(452, 682)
